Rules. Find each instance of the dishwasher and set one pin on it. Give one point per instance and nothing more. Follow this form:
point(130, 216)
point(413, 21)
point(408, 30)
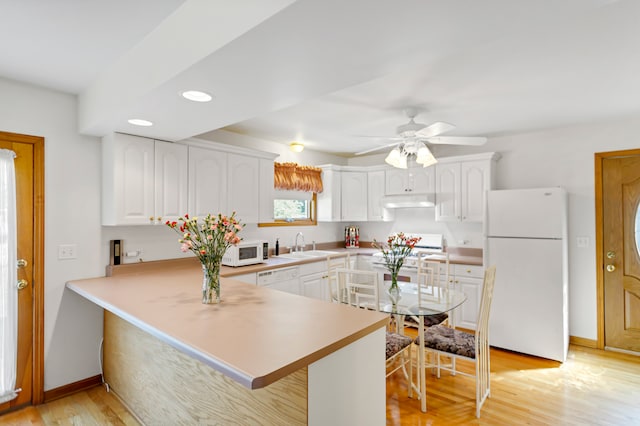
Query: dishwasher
point(283, 279)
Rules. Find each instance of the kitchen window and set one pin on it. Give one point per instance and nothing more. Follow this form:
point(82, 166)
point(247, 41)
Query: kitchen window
point(293, 208)
point(295, 201)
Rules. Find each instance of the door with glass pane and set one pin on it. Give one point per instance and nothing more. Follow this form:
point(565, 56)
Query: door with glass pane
point(621, 251)
point(25, 148)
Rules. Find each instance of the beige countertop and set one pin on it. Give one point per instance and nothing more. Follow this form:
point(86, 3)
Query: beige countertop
point(255, 336)
point(465, 256)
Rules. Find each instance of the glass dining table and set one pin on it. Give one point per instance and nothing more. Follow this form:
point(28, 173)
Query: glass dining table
point(418, 305)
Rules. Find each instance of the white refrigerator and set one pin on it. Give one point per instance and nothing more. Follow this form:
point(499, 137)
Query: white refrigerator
point(526, 238)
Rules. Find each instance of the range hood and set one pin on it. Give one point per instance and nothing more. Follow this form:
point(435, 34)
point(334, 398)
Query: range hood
point(401, 201)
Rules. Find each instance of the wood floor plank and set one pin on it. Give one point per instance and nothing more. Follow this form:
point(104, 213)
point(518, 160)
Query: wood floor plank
point(592, 388)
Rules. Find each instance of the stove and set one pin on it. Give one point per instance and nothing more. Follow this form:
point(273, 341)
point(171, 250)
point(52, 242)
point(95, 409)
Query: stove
point(429, 245)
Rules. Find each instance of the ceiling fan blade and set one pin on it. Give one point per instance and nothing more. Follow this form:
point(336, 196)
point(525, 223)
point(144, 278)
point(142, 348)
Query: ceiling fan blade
point(434, 129)
point(376, 148)
point(459, 140)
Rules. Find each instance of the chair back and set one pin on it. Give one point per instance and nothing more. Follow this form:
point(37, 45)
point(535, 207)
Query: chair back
point(334, 262)
point(485, 303)
point(438, 269)
point(361, 287)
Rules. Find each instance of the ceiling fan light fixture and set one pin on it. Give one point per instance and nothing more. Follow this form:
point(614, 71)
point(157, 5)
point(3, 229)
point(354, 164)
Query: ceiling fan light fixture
point(425, 157)
point(393, 158)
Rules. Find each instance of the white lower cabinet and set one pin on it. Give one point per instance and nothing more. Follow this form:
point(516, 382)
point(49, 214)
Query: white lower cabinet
point(468, 279)
point(313, 280)
point(245, 278)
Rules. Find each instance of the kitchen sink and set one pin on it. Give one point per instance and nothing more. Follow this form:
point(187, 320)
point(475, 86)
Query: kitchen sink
point(307, 254)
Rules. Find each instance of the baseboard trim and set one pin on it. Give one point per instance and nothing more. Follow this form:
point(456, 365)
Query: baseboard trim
point(71, 388)
point(581, 341)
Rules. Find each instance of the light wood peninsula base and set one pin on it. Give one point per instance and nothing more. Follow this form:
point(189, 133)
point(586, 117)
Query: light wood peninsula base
point(162, 385)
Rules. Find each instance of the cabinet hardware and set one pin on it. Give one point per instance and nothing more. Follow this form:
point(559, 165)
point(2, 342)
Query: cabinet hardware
point(22, 284)
point(22, 263)
point(611, 255)
point(611, 268)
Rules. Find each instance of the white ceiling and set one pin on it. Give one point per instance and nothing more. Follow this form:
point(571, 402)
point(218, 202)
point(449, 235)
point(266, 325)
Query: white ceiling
point(328, 72)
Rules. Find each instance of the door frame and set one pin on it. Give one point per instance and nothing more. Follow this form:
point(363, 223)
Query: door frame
point(37, 396)
point(599, 159)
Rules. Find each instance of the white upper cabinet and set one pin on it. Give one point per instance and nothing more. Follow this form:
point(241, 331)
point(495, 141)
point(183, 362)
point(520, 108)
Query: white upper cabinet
point(354, 196)
point(144, 181)
point(207, 181)
point(413, 180)
point(243, 185)
point(375, 192)
point(461, 185)
point(266, 190)
point(171, 178)
point(329, 200)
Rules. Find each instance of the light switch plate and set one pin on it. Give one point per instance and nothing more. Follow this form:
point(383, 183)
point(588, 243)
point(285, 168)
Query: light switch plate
point(582, 242)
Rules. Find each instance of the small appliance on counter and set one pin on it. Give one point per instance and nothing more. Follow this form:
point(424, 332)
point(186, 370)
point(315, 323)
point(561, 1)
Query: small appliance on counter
point(351, 237)
point(246, 253)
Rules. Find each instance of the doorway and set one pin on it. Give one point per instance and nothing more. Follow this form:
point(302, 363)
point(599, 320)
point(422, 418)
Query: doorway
point(29, 169)
point(618, 250)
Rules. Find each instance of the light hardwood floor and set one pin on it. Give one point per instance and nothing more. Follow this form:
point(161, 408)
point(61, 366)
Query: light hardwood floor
point(592, 388)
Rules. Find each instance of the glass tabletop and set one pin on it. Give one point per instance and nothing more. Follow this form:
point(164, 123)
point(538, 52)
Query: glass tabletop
point(432, 301)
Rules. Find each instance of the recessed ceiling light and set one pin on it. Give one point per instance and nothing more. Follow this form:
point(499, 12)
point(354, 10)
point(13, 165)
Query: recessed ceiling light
point(197, 96)
point(140, 122)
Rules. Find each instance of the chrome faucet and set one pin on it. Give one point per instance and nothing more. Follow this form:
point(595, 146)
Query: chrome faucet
point(297, 246)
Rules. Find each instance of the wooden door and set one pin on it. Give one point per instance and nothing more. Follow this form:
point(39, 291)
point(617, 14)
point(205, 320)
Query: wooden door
point(29, 194)
point(621, 251)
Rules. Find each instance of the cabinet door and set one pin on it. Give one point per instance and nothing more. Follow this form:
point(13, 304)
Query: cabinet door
point(473, 187)
point(207, 182)
point(422, 180)
point(468, 279)
point(467, 313)
point(314, 285)
point(128, 176)
point(171, 175)
point(266, 190)
point(354, 196)
point(245, 278)
point(448, 192)
point(375, 192)
point(243, 183)
point(396, 181)
point(329, 200)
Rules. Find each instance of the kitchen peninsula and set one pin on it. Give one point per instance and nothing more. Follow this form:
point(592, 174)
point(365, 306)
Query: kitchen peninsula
point(259, 357)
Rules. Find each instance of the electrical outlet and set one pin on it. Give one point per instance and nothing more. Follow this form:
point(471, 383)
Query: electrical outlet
point(67, 251)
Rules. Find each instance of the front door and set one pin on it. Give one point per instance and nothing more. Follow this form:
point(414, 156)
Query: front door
point(621, 251)
point(28, 168)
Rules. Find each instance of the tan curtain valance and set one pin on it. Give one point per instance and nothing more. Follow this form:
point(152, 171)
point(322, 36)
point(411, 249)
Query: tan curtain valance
point(293, 177)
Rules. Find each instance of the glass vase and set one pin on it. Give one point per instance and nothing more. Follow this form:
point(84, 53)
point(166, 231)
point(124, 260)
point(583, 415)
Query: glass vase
point(394, 291)
point(211, 283)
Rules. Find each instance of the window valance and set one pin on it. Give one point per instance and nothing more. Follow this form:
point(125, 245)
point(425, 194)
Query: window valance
point(293, 177)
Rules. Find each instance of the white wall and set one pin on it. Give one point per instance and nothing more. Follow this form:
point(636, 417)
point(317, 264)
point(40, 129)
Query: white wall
point(72, 326)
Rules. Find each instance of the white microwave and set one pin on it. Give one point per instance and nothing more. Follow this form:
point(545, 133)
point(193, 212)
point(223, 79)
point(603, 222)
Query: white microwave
point(246, 253)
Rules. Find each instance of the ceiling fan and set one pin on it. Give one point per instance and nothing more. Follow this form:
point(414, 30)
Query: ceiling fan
point(413, 137)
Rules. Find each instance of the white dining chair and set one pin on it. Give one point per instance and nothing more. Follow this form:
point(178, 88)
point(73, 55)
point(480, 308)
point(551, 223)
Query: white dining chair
point(363, 291)
point(334, 262)
point(443, 340)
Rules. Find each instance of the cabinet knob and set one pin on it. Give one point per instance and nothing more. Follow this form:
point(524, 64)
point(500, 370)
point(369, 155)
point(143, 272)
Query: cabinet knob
point(22, 284)
point(159, 219)
point(151, 218)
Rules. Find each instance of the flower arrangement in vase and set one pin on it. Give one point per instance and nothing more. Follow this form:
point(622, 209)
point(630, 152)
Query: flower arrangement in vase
point(208, 239)
point(398, 247)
